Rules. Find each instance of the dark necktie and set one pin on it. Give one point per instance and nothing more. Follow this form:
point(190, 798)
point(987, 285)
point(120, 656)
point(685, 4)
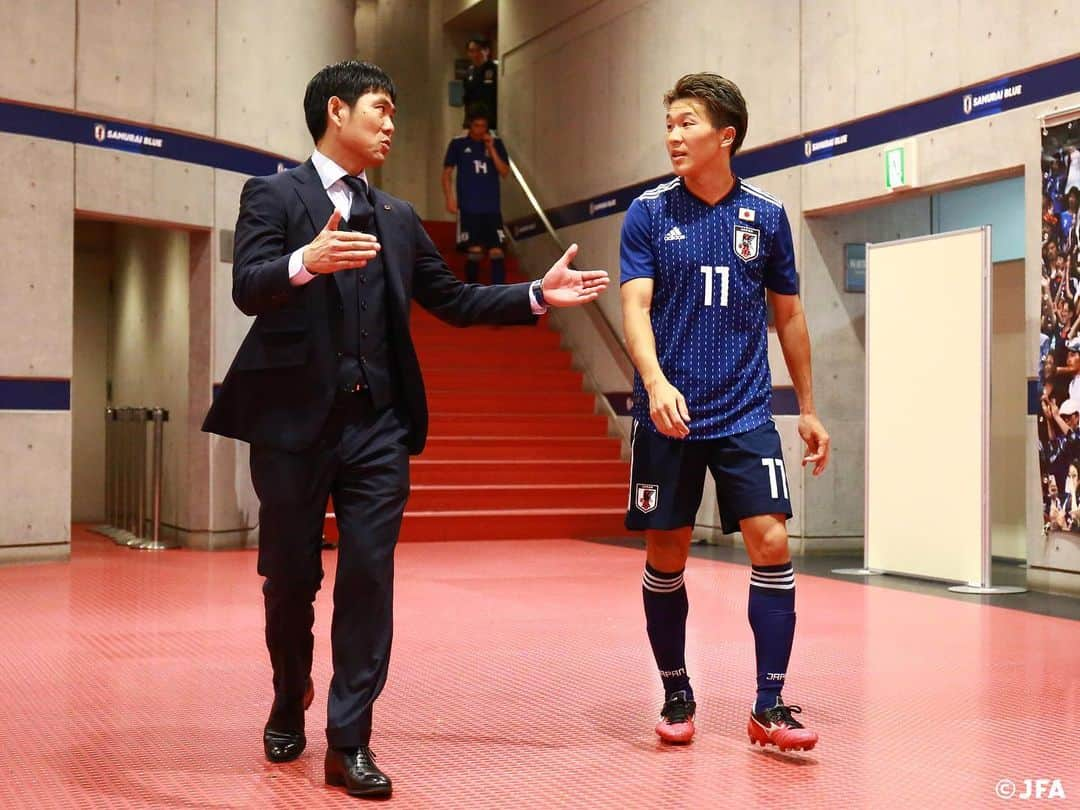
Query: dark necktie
point(361, 211)
point(350, 374)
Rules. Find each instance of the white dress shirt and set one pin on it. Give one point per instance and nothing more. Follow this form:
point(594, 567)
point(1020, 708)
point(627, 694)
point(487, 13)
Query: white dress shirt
point(340, 195)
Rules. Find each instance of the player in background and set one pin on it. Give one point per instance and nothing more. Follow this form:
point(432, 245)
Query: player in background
point(478, 159)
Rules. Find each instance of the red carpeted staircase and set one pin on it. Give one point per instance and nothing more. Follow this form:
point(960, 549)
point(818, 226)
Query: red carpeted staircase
point(515, 450)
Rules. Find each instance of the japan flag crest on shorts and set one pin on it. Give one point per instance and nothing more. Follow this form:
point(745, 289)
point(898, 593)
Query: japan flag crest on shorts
point(747, 242)
point(646, 496)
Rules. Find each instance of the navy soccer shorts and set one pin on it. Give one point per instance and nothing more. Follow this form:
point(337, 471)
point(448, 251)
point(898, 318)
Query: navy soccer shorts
point(667, 477)
point(480, 230)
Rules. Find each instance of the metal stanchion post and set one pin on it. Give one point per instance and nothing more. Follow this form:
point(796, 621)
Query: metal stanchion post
point(159, 416)
point(106, 527)
point(127, 516)
point(138, 469)
point(121, 475)
point(114, 472)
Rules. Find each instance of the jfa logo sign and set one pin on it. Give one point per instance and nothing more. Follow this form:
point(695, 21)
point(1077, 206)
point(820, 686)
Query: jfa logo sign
point(1032, 789)
point(99, 132)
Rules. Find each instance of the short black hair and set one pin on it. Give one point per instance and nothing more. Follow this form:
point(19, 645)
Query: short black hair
point(475, 111)
point(348, 81)
point(721, 97)
point(479, 42)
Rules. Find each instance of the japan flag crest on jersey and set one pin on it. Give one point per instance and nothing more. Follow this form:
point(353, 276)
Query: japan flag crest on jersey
point(747, 242)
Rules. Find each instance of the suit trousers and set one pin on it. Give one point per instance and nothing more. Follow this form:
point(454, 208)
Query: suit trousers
point(362, 460)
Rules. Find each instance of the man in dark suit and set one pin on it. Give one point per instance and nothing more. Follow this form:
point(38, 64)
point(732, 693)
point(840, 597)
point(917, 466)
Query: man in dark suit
point(326, 388)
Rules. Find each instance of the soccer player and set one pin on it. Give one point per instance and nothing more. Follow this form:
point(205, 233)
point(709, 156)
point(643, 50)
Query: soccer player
point(699, 256)
point(479, 159)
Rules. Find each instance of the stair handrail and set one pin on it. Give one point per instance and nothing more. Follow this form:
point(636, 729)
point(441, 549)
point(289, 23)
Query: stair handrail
point(612, 340)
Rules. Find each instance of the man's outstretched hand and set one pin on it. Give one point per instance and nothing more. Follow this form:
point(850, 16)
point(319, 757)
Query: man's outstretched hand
point(566, 287)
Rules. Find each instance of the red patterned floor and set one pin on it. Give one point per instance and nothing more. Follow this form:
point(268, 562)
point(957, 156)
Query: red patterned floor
point(521, 679)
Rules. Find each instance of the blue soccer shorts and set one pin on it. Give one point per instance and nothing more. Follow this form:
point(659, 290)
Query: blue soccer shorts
point(480, 230)
point(667, 477)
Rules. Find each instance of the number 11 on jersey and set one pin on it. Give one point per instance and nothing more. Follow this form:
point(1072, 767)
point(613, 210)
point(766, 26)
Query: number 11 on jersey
point(723, 273)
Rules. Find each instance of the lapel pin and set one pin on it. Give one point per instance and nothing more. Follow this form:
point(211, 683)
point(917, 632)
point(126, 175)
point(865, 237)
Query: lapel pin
point(386, 206)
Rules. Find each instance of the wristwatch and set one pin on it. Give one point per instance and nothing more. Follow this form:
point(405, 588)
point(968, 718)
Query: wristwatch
point(537, 290)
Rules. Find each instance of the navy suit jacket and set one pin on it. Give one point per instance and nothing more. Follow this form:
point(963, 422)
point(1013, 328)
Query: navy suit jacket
point(280, 388)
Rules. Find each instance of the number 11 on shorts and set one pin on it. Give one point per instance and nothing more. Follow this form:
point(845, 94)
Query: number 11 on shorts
point(775, 464)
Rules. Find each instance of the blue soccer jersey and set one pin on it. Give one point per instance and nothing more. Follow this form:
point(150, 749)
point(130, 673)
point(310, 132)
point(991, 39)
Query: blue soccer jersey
point(477, 179)
point(710, 266)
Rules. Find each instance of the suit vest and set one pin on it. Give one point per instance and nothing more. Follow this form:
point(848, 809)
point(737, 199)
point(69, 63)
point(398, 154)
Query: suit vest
point(360, 324)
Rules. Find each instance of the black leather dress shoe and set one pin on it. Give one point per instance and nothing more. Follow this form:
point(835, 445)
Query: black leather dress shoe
point(285, 746)
point(357, 773)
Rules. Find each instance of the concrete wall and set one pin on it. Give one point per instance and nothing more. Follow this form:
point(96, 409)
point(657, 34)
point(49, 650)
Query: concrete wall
point(268, 50)
point(580, 105)
point(34, 309)
point(232, 70)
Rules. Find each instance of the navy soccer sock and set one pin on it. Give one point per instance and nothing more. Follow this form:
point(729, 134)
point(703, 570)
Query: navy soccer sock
point(498, 270)
point(472, 268)
point(666, 607)
point(772, 618)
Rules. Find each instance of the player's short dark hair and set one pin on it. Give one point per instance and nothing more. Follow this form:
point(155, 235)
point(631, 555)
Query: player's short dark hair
point(477, 111)
point(479, 42)
point(348, 81)
point(722, 99)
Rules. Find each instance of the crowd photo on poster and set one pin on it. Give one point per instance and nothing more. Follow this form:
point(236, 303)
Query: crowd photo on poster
point(1059, 339)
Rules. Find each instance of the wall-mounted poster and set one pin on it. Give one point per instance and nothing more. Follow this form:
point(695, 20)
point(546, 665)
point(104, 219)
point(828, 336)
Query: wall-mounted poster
point(1059, 350)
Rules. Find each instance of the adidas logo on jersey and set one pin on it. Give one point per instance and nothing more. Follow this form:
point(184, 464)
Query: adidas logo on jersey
point(674, 235)
point(468, 150)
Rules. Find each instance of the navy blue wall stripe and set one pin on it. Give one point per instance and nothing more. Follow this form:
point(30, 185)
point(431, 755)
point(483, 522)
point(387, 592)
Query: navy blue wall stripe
point(977, 101)
point(784, 401)
point(29, 394)
point(110, 133)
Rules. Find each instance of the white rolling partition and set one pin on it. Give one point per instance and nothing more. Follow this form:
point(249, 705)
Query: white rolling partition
point(928, 368)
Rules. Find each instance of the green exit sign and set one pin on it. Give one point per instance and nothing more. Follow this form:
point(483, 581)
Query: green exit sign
point(896, 168)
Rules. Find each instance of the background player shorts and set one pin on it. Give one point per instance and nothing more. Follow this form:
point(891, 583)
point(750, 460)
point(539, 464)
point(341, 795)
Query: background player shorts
point(480, 230)
point(667, 477)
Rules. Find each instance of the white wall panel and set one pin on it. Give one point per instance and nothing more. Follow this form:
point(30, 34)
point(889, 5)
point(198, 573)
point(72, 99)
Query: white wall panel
point(37, 501)
point(113, 75)
point(184, 58)
point(134, 186)
point(36, 238)
point(37, 52)
point(267, 51)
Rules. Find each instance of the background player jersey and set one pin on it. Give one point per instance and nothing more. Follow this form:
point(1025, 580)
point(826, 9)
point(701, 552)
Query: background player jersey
point(710, 267)
point(477, 178)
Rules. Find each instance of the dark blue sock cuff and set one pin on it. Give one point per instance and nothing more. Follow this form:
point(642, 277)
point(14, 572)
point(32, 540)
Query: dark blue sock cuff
point(773, 569)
